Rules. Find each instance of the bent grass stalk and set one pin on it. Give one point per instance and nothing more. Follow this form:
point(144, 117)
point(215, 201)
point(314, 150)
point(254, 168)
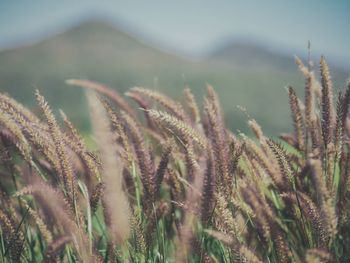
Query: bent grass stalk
point(176, 184)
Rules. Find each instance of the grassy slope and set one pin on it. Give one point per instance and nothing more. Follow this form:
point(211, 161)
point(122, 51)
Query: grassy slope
point(99, 52)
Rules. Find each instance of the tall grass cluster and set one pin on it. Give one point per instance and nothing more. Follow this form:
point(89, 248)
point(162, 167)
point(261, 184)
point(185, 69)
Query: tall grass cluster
point(167, 182)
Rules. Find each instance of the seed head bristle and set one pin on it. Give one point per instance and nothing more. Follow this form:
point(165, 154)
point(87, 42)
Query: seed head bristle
point(105, 90)
point(309, 209)
point(175, 108)
point(192, 105)
point(328, 115)
point(218, 137)
point(327, 209)
point(297, 118)
point(177, 126)
point(96, 196)
point(163, 164)
point(282, 159)
point(43, 227)
point(19, 140)
point(208, 188)
point(318, 255)
point(65, 172)
point(144, 159)
point(117, 208)
point(55, 247)
point(13, 236)
point(117, 124)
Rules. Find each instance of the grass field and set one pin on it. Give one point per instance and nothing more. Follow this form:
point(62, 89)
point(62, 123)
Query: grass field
point(169, 182)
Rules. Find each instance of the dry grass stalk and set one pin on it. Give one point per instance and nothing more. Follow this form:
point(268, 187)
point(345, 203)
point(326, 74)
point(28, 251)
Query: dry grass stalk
point(15, 135)
point(103, 89)
point(65, 168)
point(318, 255)
point(326, 206)
point(192, 105)
point(115, 200)
point(217, 136)
point(267, 200)
point(178, 127)
point(54, 207)
point(297, 118)
point(54, 249)
point(175, 108)
point(117, 125)
point(241, 252)
point(12, 235)
point(144, 159)
point(162, 166)
point(328, 115)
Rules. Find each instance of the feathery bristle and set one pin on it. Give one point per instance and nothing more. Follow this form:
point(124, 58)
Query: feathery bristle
point(115, 200)
point(18, 139)
point(225, 216)
point(318, 255)
point(55, 248)
point(140, 238)
point(328, 115)
point(143, 155)
point(192, 105)
point(44, 230)
point(339, 126)
point(116, 123)
point(261, 219)
point(192, 202)
point(96, 196)
point(13, 236)
point(297, 118)
point(11, 106)
point(77, 144)
point(309, 209)
point(283, 162)
point(255, 127)
point(178, 127)
point(253, 151)
point(327, 208)
point(144, 105)
point(247, 255)
point(345, 107)
point(175, 184)
point(162, 166)
point(217, 136)
point(241, 252)
point(65, 172)
point(303, 69)
point(208, 189)
point(175, 108)
point(281, 246)
point(103, 89)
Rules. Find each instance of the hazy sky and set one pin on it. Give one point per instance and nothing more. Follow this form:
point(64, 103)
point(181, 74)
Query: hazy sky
point(192, 27)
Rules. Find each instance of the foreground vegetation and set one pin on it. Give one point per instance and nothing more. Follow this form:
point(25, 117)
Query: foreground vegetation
point(166, 183)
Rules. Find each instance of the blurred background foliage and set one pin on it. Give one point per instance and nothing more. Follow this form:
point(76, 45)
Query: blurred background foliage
point(243, 72)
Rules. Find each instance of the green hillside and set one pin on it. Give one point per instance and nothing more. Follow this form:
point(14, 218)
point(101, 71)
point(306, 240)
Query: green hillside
point(99, 52)
point(243, 54)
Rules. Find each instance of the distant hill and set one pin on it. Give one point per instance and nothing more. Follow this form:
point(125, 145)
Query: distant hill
point(247, 55)
point(242, 75)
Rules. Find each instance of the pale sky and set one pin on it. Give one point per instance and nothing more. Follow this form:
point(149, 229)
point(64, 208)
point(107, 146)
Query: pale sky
point(192, 27)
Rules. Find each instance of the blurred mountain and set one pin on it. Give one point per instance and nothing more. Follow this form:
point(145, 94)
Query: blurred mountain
point(252, 56)
point(92, 50)
point(242, 74)
point(258, 57)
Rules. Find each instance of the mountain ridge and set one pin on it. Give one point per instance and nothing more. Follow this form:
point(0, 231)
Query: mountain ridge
point(102, 53)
